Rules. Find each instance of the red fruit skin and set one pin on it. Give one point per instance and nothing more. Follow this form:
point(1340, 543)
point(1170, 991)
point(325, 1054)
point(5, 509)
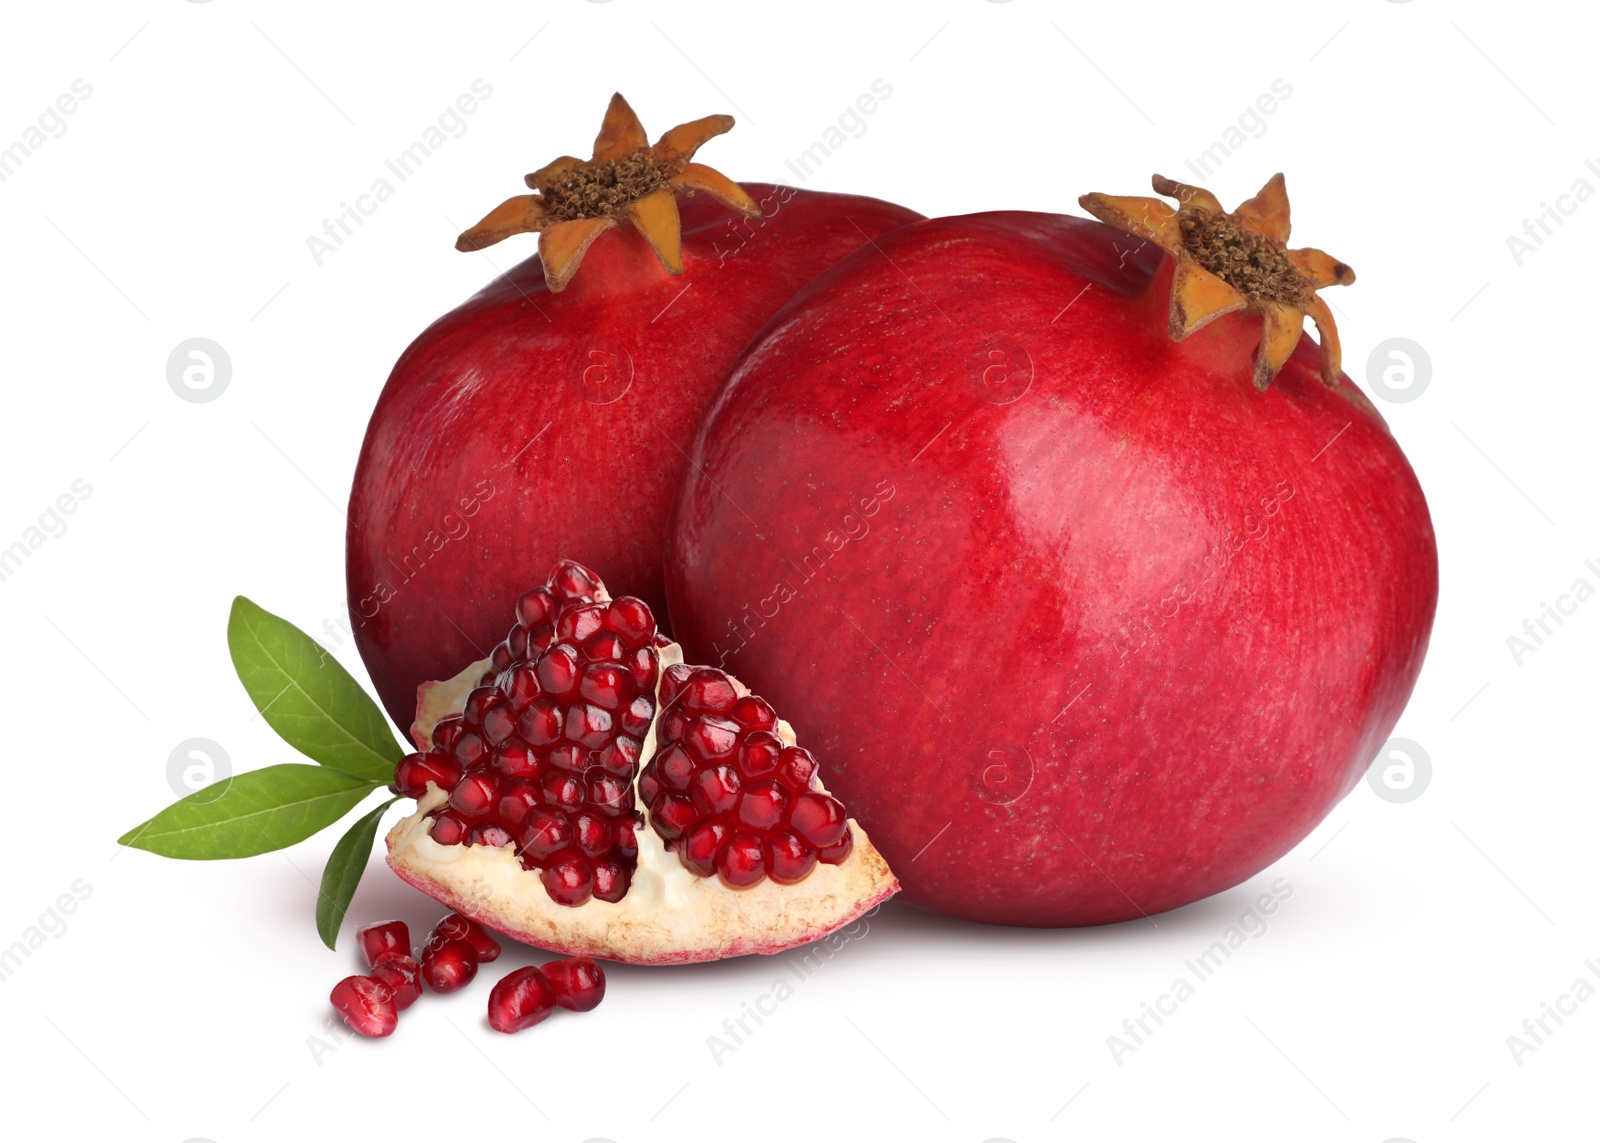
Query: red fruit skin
point(1137, 630)
point(610, 376)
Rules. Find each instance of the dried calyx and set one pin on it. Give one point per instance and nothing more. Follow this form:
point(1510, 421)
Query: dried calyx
point(626, 181)
point(1233, 261)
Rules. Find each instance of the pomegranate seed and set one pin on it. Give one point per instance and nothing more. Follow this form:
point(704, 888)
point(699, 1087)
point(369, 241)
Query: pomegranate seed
point(521, 1000)
point(590, 835)
point(715, 790)
point(470, 748)
point(762, 804)
point(709, 691)
point(636, 719)
point(449, 965)
point(533, 607)
point(404, 978)
point(710, 739)
point(383, 939)
point(817, 818)
point(477, 702)
point(493, 836)
point(631, 618)
point(605, 647)
point(610, 881)
point(577, 982)
point(796, 768)
point(498, 723)
point(571, 580)
point(367, 1005)
point(754, 713)
point(789, 859)
point(521, 686)
point(515, 647)
point(540, 722)
point(572, 759)
point(515, 760)
point(673, 768)
point(672, 814)
point(517, 800)
point(649, 788)
point(456, 927)
point(589, 726)
point(608, 793)
point(558, 671)
point(673, 680)
point(448, 828)
point(445, 733)
point(562, 790)
point(546, 833)
point(607, 685)
point(475, 795)
point(673, 722)
point(700, 846)
point(620, 756)
point(838, 851)
point(759, 754)
point(627, 841)
point(415, 771)
point(643, 665)
point(575, 623)
point(741, 862)
point(568, 878)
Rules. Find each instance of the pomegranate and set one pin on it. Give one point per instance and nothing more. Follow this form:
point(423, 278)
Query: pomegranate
point(551, 414)
point(383, 939)
point(448, 965)
point(403, 976)
point(567, 827)
point(1138, 619)
point(366, 1005)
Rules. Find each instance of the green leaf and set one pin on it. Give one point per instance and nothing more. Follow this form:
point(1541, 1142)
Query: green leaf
point(307, 697)
point(342, 874)
point(251, 813)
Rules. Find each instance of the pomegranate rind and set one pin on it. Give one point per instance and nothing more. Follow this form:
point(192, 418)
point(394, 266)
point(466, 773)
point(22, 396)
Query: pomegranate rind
point(669, 915)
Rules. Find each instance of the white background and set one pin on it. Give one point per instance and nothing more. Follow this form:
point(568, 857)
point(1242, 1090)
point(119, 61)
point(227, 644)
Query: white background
point(186, 999)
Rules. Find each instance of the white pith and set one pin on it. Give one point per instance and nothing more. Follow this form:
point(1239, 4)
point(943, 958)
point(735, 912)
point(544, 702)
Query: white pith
point(669, 915)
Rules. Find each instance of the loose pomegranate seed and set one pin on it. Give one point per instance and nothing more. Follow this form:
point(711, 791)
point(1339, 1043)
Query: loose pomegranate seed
point(569, 878)
point(455, 927)
point(521, 1000)
point(741, 862)
point(449, 965)
point(383, 939)
point(577, 983)
point(448, 828)
point(413, 773)
point(367, 1005)
point(817, 818)
point(404, 978)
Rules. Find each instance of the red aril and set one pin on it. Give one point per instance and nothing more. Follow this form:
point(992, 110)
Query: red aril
point(521, 1000)
point(687, 826)
point(1015, 485)
point(366, 1005)
point(383, 939)
point(403, 976)
point(577, 983)
point(449, 965)
point(548, 415)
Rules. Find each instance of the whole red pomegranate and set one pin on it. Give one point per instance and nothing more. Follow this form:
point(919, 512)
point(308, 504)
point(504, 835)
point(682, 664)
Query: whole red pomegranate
point(1015, 484)
point(551, 414)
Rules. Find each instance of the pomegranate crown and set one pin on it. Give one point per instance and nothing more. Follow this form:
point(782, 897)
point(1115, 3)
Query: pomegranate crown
point(627, 180)
point(1227, 262)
